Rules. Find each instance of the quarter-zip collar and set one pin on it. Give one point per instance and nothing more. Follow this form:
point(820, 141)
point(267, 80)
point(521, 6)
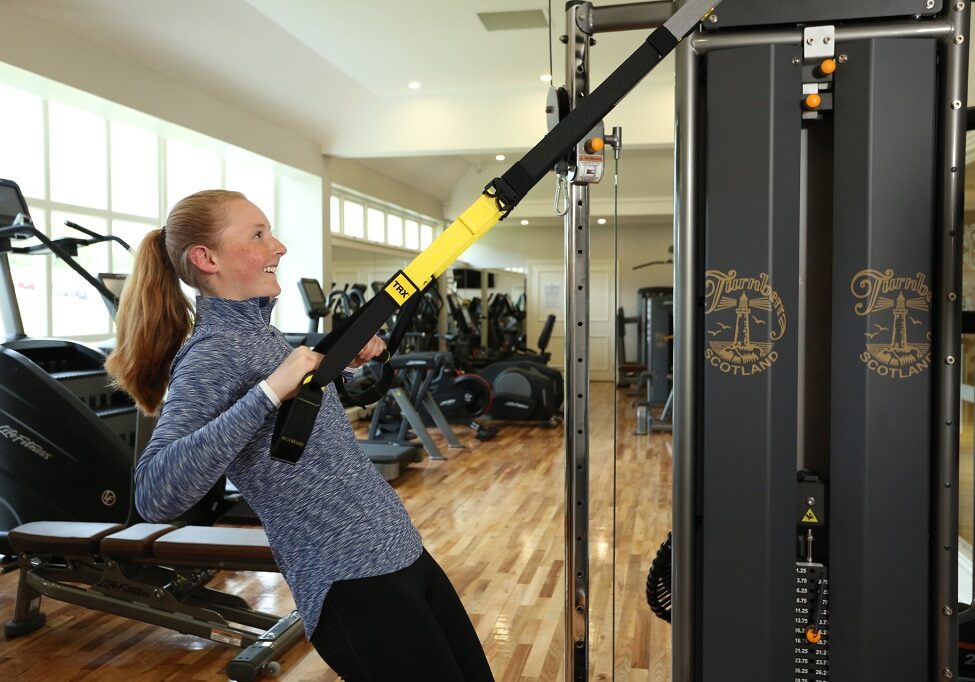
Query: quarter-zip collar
point(222, 312)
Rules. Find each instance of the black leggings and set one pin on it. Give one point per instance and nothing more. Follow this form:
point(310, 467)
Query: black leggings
point(407, 625)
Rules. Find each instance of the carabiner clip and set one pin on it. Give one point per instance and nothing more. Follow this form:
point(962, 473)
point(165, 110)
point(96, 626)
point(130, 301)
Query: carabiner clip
point(561, 203)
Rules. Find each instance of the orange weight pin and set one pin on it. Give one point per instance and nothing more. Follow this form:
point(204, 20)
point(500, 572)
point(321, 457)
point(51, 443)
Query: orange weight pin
point(812, 101)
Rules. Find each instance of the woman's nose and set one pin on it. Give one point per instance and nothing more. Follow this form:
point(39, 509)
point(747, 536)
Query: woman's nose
point(279, 247)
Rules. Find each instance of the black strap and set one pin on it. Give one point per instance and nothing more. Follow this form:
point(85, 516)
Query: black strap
point(525, 174)
point(403, 323)
point(296, 417)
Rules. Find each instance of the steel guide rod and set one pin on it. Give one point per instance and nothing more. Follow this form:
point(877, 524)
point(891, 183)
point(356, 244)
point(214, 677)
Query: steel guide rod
point(687, 366)
point(953, 97)
point(576, 224)
point(583, 20)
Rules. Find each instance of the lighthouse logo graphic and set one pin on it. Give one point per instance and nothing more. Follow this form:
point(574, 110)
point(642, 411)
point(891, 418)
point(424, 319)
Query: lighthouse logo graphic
point(745, 319)
point(897, 322)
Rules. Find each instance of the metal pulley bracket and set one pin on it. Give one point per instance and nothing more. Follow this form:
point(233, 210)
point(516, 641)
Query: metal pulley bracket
point(590, 159)
point(818, 42)
point(557, 106)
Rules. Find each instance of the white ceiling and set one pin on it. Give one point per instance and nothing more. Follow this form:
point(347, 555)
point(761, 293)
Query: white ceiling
point(337, 72)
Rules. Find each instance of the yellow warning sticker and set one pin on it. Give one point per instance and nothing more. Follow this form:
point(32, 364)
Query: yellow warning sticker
point(810, 516)
point(400, 288)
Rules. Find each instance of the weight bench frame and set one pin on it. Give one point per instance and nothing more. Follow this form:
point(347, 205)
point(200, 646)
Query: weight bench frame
point(157, 574)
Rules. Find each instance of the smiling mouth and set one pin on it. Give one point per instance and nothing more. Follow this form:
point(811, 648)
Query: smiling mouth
point(270, 269)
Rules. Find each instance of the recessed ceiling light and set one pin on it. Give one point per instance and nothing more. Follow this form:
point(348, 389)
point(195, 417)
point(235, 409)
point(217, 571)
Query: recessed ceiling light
point(414, 85)
point(524, 222)
point(601, 221)
point(547, 77)
point(499, 157)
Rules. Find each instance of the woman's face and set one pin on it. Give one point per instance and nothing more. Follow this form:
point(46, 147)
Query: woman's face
point(247, 255)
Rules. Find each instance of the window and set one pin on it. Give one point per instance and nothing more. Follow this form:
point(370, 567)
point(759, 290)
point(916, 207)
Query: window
point(255, 180)
point(335, 214)
point(30, 275)
point(22, 140)
point(189, 169)
point(352, 219)
point(135, 170)
point(426, 236)
point(412, 240)
point(132, 234)
point(79, 156)
point(375, 225)
point(76, 308)
point(394, 230)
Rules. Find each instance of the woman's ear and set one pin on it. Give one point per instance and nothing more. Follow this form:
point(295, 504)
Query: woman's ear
point(201, 258)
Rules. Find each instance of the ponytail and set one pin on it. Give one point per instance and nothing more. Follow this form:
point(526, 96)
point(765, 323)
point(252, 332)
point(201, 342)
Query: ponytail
point(154, 318)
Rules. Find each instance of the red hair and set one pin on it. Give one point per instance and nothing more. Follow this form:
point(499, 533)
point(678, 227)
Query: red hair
point(154, 315)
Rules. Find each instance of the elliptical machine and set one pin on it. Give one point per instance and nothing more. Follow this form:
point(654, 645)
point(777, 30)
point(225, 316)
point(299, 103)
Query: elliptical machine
point(524, 389)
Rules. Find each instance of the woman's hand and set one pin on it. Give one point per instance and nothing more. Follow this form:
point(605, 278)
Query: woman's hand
point(375, 347)
point(284, 381)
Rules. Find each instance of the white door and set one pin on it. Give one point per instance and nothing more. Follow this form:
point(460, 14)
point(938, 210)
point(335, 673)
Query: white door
point(546, 295)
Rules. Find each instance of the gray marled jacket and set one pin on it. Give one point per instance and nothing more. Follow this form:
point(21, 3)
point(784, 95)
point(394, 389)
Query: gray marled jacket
point(329, 517)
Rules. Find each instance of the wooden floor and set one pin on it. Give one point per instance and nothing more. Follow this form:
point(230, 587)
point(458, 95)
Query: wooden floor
point(493, 517)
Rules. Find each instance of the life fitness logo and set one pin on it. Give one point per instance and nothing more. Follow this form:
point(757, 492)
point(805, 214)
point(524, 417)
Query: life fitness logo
point(14, 436)
point(898, 340)
point(745, 318)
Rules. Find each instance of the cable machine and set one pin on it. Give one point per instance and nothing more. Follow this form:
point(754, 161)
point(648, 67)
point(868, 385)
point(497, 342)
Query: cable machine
point(817, 338)
point(820, 163)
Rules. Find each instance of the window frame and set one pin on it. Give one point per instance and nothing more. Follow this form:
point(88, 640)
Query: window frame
point(387, 209)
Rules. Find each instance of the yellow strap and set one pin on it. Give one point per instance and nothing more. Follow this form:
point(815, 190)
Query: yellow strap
point(472, 224)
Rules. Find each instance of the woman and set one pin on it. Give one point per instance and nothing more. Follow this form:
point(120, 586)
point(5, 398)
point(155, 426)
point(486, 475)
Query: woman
point(375, 605)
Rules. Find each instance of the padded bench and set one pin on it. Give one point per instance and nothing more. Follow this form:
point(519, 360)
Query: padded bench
point(243, 549)
point(155, 573)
